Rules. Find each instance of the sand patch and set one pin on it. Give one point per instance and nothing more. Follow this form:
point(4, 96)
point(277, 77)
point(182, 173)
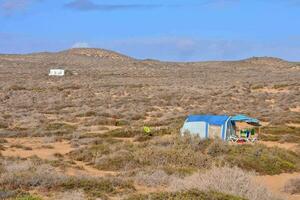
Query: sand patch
point(85, 169)
point(37, 148)
point(296, 109)
point(276, 184)
point(296, 125)
point(271, 90)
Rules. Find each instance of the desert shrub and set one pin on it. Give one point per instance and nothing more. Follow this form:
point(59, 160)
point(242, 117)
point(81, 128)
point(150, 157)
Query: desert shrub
point(31, 176)
point(121, 159)
point(127, 133)
point(17, 87)
point(256, 87)
point(3, 125)
point(106, 154)
point(229, 180)
point(86, 155)
point(20, 146)
point(289, 138)
point(217, 148)
point(50, 139)
point(152, 178)
point(56, 126)
point(179, 171)
point(45, 146)
point(193, 142)
point(28, 197)
point(281, 130)
point(122, 123)
point(268, 137)
point(87, 114)
point(293, 186)
point(142, 138)
point(185, 195)
point(2, 140)
point(174, 156)
point(97, 187)
point(262, 159)
point(99, 147)
point(9, 194)
point(72, 195)
point(28, 175)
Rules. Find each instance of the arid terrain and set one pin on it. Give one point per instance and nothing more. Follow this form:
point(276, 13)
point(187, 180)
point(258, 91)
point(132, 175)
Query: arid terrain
point(81, 136)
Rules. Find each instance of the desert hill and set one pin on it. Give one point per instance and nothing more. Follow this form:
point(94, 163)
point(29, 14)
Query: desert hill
point(136, 87)
point(85, 129)
point(97, 53)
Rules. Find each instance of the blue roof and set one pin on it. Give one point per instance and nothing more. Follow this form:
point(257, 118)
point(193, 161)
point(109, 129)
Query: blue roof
point(244, 118)
point(211, 119)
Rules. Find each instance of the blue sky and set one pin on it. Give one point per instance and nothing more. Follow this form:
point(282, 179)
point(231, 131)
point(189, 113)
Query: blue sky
point(174, 30)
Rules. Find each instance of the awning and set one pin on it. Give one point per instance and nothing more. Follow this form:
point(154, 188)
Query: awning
point(244, 118)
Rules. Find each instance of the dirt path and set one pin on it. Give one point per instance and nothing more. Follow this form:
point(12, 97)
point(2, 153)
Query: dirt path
point(276, 184)
point(88, 170)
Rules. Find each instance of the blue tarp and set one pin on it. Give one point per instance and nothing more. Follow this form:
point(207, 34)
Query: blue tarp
point(211, 119)
point(244, 118)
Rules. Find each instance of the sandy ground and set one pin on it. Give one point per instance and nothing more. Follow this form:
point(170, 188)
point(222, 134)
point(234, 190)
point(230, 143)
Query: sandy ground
point(293, 125)
point(37, 148)
point(88, 170)
point(271, 90)
point(296, 109)
point(276, 184)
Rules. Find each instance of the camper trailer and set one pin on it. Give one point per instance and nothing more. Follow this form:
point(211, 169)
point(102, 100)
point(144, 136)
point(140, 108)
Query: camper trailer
point(221, 127)
point(57, 72)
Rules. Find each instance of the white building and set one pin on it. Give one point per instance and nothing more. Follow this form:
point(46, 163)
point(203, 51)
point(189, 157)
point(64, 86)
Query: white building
point(57, 72)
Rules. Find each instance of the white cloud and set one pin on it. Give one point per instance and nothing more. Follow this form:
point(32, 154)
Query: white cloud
point(81, 45)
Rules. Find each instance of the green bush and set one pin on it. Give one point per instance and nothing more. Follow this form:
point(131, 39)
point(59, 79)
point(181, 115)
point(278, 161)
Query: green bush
point(28, 197)
point(262, 159)
point(117, 160)
point(127, 133)
point(98, 187)
point(281, 130)
point(59, 129)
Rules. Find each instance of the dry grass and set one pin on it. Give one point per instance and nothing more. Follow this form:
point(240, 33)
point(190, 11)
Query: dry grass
point(28, 175)
point(227, 180)
point(104, 101)
point(293, 186)
point(156, 178)
point(175, 154)
point(186, 195)
point(71, 195)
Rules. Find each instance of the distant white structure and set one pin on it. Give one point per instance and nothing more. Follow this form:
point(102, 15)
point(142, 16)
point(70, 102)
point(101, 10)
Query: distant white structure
point(57, 72)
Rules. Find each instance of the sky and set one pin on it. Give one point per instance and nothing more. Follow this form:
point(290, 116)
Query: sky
point(170, 30)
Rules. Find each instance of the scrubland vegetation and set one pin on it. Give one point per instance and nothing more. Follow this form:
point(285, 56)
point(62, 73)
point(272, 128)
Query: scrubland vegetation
point(293, 186)
point(98, 111)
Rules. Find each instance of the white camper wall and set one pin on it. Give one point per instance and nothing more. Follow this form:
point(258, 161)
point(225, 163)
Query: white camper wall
point(57, 72)
point(195, 128)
